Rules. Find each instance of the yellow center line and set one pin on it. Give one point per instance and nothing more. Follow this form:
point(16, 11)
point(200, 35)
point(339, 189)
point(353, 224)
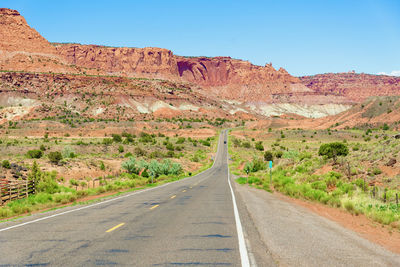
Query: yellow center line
point(174, 196)
point(155, 206)
point(184, 190)
point(191, 187)
point(115, 227)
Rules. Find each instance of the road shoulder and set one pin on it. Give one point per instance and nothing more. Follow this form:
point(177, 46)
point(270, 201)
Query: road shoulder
point(293, 235)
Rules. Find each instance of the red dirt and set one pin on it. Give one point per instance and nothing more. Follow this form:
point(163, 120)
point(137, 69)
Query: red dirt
point(374, 232)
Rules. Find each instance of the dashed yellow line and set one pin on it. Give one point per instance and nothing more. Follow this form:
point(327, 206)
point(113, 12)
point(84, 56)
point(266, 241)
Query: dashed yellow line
point(191, 187)
point(184, 190)
point(115, 227)
point(174, 196)
point(155, 206)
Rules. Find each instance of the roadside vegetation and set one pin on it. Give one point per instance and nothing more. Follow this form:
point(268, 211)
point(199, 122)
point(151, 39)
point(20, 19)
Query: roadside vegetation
point(355, 170)
point(67, 169)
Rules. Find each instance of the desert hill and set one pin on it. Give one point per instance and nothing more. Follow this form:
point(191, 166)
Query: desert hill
point(237, 85)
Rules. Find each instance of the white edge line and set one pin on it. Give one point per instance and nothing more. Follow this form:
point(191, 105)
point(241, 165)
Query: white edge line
point(106, 201)
point(244, 257)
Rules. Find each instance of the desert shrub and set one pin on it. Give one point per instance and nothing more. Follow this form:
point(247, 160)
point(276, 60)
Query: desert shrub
point(169, 146)
point(246, 144)
point(127, 155)
point(331, 178)
point(140, 152)
point(156, 154)
point(68, 152)
point(349, 206)
point(131, 166)
point(6, 164)
point(42, 147)
point(55, 157)
point(165, 167)
point(278, 154)
point(305, 155)
point(181, 140)
point(320, 185)
point(120, 149)
point(126, 135)
point(46, 182)
point(268, 156)
point(107, 141)
point(332, 150)
point(145, 138)
point(35, 154)
point(205, 142)
point(385, 127)
point(102, 166)
point(259, 146)
point(116, 138)
point(376, 171)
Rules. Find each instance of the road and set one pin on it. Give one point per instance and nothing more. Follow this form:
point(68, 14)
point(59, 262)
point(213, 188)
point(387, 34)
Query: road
point(189, 222)
point(197, 221)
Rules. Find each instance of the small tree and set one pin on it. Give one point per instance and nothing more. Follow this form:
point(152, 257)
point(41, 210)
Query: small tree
point(268, 156)
point(333, 150)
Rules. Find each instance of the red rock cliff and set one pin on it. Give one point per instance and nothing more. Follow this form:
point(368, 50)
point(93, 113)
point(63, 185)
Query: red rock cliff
point(353, 86)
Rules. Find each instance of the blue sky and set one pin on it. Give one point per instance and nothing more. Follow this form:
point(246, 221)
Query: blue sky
point(305, 36)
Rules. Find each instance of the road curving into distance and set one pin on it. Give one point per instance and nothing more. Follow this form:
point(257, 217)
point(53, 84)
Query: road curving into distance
point(193, 221)
point(204, 220)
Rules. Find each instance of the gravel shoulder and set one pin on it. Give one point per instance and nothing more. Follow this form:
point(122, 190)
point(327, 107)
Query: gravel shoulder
point(295, 236)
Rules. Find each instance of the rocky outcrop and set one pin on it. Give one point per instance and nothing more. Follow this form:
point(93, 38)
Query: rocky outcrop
point(148, 62)
point(22, 48)
point(355, 87)
point(17, 36)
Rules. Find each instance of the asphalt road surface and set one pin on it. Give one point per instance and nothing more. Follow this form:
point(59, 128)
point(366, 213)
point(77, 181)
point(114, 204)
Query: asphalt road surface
point(185, 223)
point(197, 221)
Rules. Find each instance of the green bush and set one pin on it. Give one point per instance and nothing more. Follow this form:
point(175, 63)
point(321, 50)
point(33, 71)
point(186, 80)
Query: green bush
point(116, 138)
point(320, 185)
point(107, 141)
point(68, 152)
point(268, 156)
point(170, 146)
point(131, 166)
point(278, 154)
point(140, 152)
point(246, 144)
point(120, 149)
point(6, 164)
point(259, 146)
point(181, 140)
point(55, 157)
point(332, 150)
point(35, 154)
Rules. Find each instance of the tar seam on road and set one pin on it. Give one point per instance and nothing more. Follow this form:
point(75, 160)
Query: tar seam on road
point(244, 257)
point(155, 206)
point(115, 227)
